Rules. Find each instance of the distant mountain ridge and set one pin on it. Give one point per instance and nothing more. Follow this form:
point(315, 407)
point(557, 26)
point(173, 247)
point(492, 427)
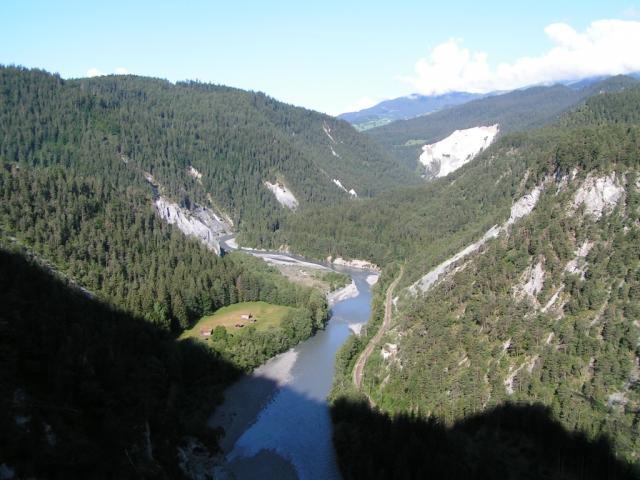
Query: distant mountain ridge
point(416, 105)
point(514, 111)
point(403, 108)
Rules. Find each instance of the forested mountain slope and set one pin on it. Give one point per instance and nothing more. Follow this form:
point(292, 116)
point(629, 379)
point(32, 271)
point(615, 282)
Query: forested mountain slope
point(84, 160)
point(94, 382)
point(426, 223)
point(545, 309)
point(431, 222)
point(514, 111)
point(213, 145)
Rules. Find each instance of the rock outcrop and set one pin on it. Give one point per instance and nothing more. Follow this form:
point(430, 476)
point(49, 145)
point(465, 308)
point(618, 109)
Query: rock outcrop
point(201, 223)
point(447, 155)
point(285, 197)
point(599, 195)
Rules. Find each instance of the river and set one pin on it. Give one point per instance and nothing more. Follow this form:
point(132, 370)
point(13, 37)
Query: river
point(276, 421)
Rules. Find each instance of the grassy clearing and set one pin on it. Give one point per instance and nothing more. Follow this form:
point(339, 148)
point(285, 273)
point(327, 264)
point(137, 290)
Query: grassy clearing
point(265, 314)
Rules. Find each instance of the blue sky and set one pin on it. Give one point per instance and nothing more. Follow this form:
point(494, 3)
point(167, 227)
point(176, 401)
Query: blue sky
point(328, 55)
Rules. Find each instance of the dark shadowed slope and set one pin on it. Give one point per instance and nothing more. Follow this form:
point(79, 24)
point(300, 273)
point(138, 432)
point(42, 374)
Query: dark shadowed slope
point(91, 392)
point(507, 442)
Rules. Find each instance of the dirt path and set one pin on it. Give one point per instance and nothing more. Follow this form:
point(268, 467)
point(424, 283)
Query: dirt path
point(358, 370)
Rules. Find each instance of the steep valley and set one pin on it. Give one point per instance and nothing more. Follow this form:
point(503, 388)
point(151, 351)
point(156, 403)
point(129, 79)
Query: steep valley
point(494, 305)
point(125, 187)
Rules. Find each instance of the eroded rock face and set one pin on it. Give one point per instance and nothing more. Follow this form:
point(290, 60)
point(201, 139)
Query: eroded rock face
point(521, 208)
point(525, 205)
point(447, 155)
point(327, 131)
point(424, 284)
point(599, 195)
point(338, 183)
point(194, 173)
point(201, 223)
point(531, 284)
point(578, 264)
point(284, 196)
point(511, 380)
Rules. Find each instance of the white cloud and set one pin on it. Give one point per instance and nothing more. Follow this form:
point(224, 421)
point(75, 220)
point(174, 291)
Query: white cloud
point(606, 47)
point(122, 71)
point(94, 72)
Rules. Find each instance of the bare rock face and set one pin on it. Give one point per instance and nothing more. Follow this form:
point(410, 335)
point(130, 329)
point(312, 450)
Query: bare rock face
point(525, 205)
point(351, 192)
point(599, 195)
point(425, 283)
point(521, 208)
point(201, 223)
point(327, 131)
point(578, 264)
point(531, 284)
point(447, 155)
point(284, 196)
point(192, 172)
